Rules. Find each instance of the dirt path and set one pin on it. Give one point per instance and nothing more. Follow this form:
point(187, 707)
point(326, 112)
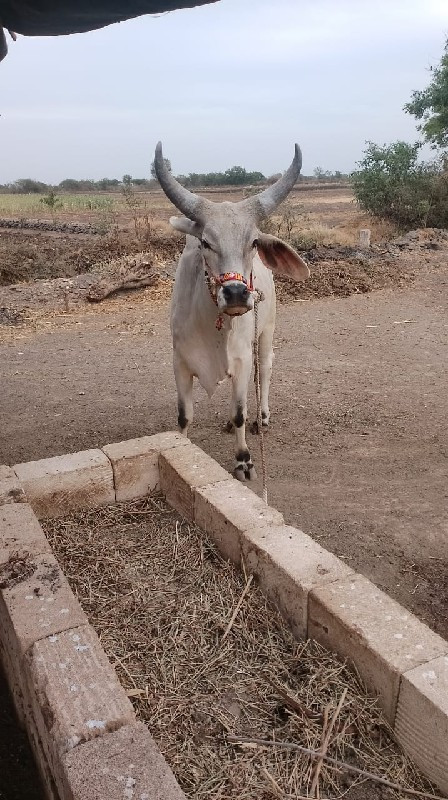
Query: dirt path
point(358, 449)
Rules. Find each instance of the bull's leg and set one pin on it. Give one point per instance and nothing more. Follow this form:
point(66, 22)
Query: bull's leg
point(184, 384)
point(244, 468)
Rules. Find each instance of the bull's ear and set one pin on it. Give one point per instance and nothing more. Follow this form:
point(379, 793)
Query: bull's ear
point(185, 225)
point(281, 258)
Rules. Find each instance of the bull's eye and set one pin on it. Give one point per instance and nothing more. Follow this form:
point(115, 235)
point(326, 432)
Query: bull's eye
point(205, 245)
point(255, 243)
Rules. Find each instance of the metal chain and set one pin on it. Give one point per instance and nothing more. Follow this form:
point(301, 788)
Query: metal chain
point(258, 298)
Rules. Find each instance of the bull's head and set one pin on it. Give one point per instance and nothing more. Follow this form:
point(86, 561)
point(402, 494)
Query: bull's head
point(230, 237)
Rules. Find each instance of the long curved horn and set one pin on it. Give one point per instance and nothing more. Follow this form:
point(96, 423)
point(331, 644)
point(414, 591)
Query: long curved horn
point(267, 201)
point(187, 202)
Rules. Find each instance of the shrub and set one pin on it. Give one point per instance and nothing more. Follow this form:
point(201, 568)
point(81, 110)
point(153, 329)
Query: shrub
point(393, 185)
point(51, 201)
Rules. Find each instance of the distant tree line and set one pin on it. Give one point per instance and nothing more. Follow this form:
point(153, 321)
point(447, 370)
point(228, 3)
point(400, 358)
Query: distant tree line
point(30, 186)
point(326, 175)
point(234, 176)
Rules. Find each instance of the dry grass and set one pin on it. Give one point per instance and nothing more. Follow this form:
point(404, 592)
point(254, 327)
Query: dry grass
point(381, 230)
point(319, 234)
point(160, 598)
point(347, 234)
point(327, 218)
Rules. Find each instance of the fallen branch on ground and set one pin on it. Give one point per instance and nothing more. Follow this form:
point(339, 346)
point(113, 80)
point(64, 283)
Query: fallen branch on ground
point(292, 702)
point(133, 279)
point(335, 761)
point(237, 608)
point(326, 735)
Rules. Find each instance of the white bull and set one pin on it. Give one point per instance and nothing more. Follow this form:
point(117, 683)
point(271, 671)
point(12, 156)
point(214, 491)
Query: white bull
point(226, 260)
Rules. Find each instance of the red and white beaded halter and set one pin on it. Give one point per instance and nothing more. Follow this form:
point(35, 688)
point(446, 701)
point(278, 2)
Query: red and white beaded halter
point(226, 277)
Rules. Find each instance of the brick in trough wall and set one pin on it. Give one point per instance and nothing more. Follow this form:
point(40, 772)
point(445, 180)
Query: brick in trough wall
point(288, 565)
point(18, 686)
point(355, 619)
point(226, 509)
point(184, 469)
point(40, 758)
point(10, 489)
point(421, 723)
point(20, 533)
point(125, 765)
point(58, 485)
point(35, 601)
point(75, 694)
point(135, 463)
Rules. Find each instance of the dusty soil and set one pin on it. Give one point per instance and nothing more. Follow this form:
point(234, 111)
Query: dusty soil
point(357, 452)
point(31, 254)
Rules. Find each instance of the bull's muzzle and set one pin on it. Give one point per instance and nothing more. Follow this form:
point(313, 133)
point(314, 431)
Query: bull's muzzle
point(234, 299)
point(234, 296)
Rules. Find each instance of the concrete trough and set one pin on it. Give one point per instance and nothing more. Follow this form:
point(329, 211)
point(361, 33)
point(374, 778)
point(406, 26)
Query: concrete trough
point(86, 739)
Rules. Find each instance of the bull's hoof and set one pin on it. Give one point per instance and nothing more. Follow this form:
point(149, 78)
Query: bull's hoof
point(245, 474)
point(250, 472)
point(244, 469)
point(238, 473)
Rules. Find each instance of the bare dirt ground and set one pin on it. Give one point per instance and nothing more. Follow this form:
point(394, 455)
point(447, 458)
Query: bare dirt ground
point(358, 448)
point(357, 451)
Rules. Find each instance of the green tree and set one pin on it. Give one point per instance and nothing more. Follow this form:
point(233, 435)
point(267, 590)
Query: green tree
point(106, 184)
point(236, 175)
point(392, 184)
point(69, 185)
point(73, 185)
point(255, 177)
point(431, 105)
point(29, 186)
point(140, 181)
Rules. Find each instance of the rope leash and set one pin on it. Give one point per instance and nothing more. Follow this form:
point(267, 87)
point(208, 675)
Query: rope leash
point(259, 297)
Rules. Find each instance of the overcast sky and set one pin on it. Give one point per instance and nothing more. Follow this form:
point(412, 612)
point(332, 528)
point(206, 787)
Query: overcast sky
point(237, 82)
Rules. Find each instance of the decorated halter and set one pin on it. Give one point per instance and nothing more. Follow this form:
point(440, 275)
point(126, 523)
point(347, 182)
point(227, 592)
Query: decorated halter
point(225, 277)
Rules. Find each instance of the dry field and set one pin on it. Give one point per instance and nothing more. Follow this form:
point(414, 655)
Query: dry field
point(316, 218)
